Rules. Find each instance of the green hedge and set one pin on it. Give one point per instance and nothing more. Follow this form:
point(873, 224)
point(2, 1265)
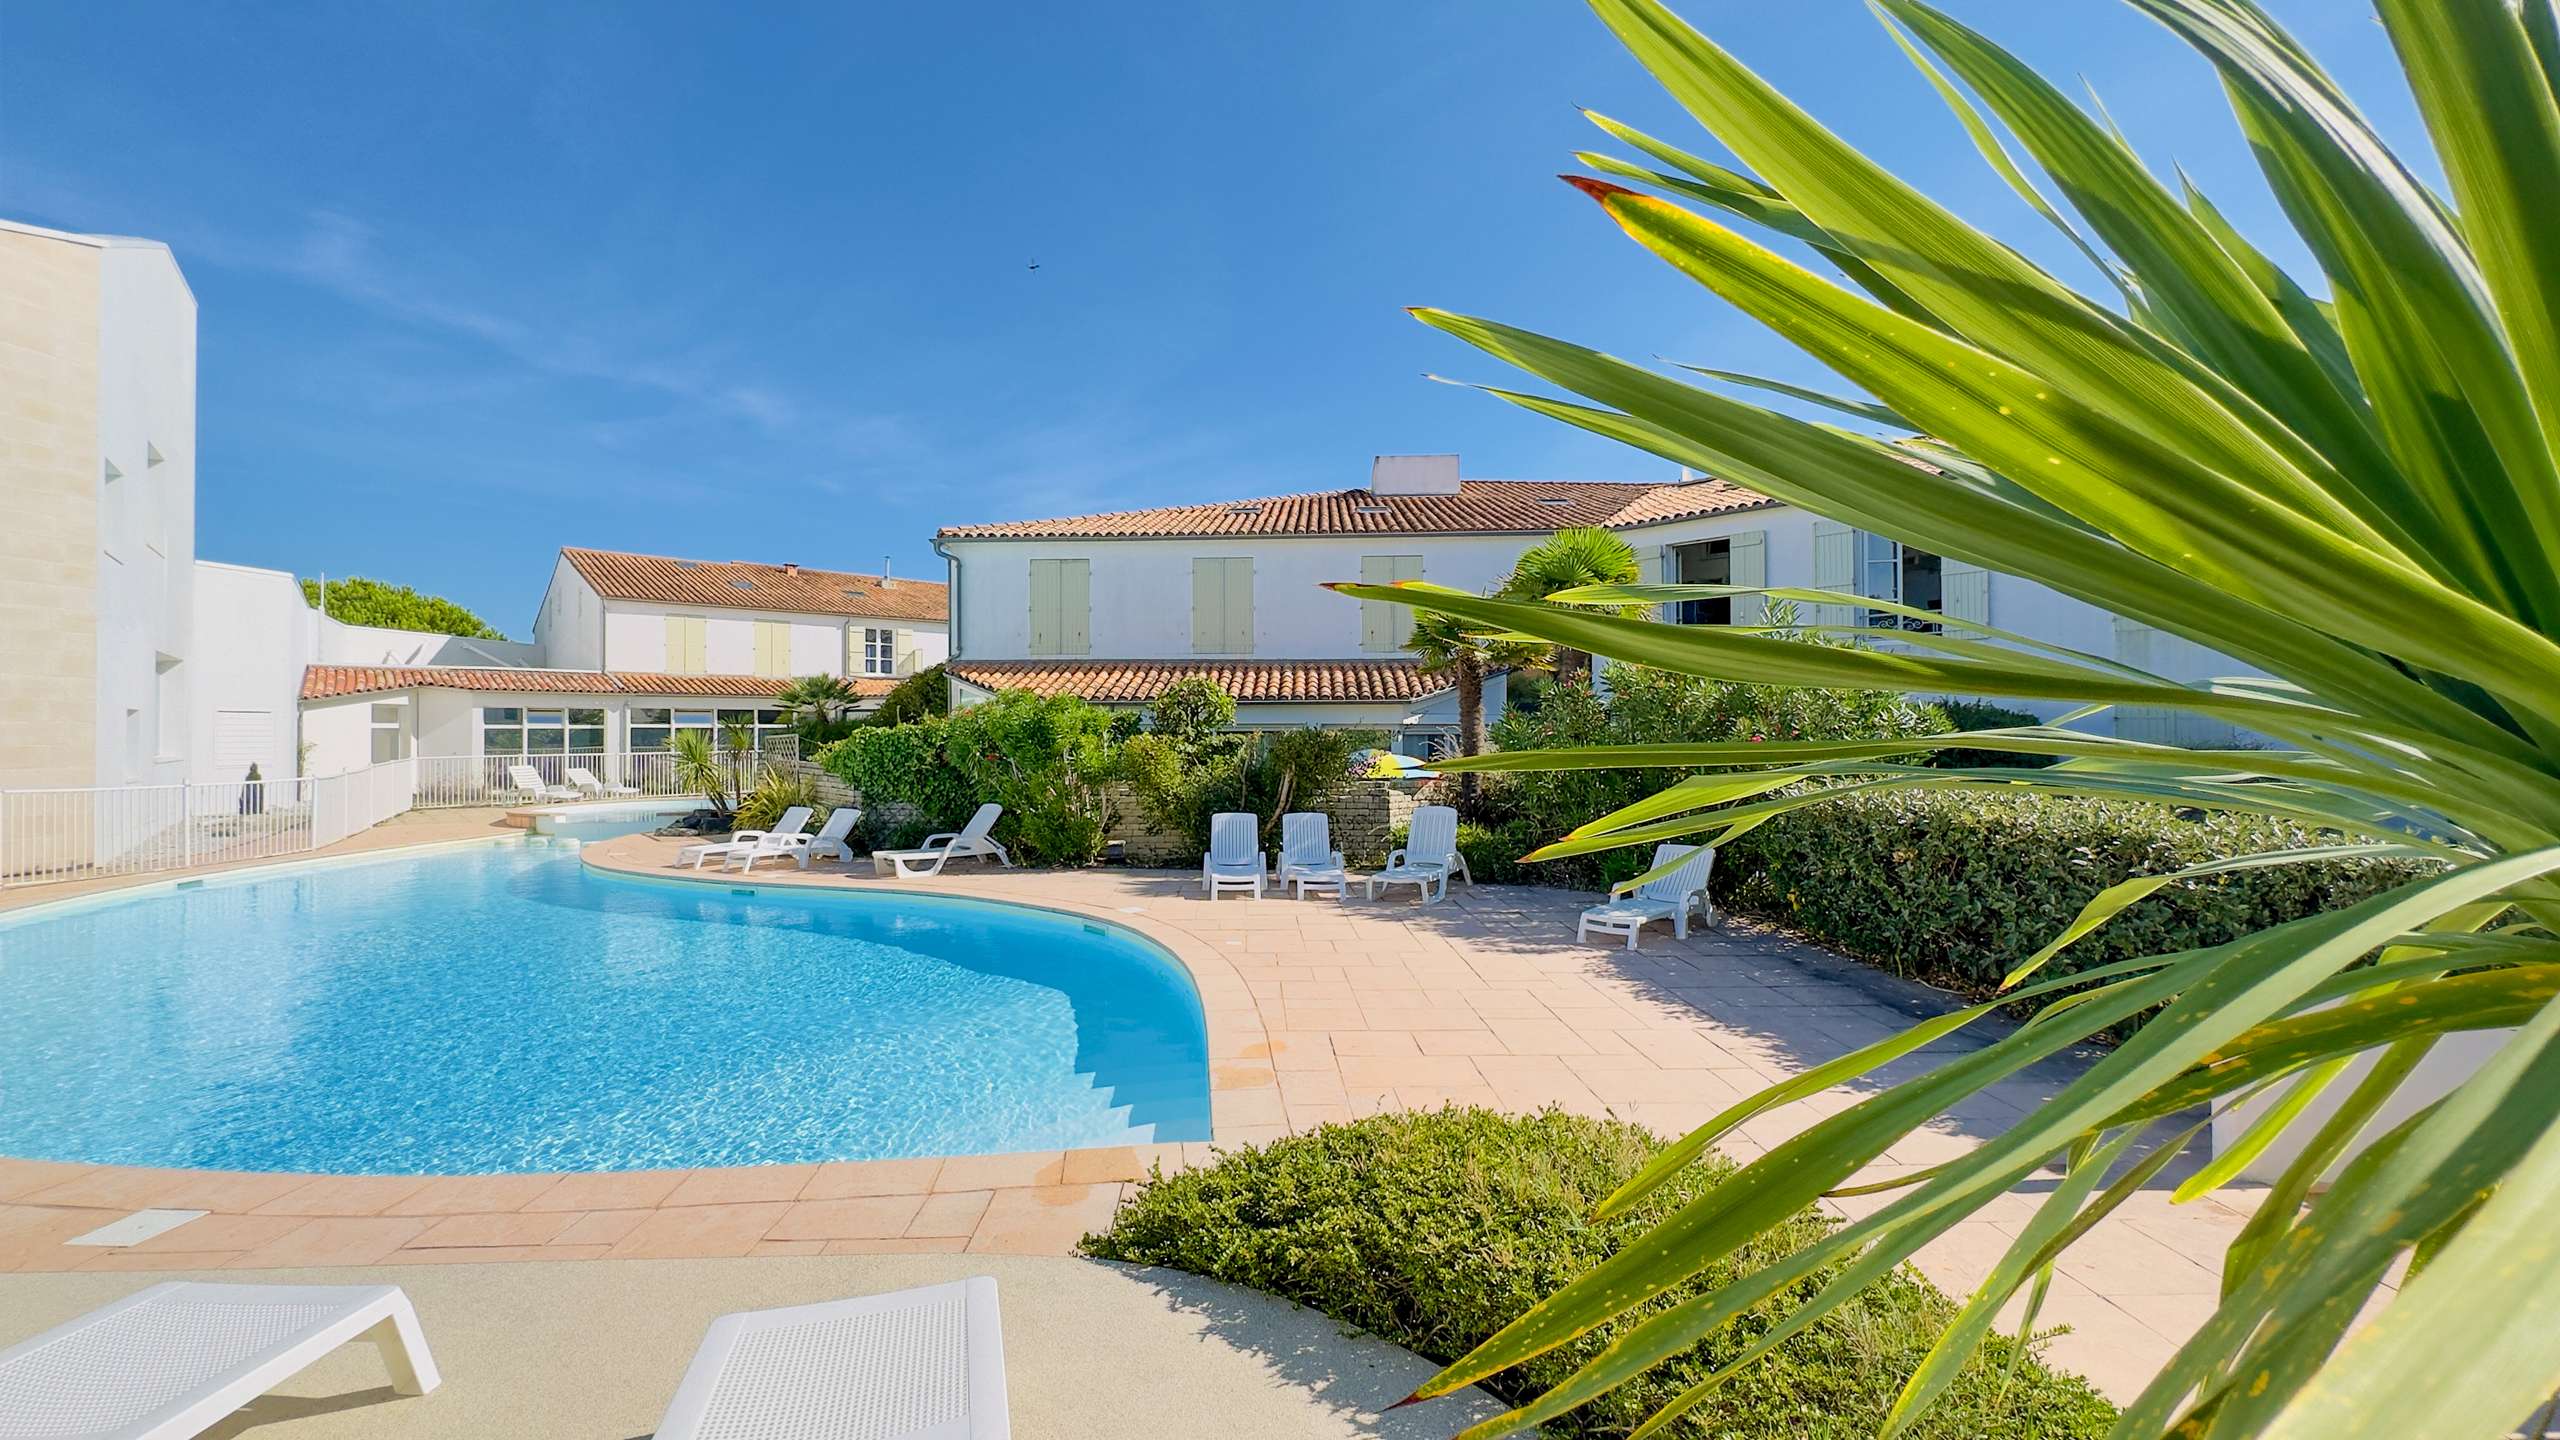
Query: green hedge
point(1436, 1229)
point(1045, 759)
point(1957, 887)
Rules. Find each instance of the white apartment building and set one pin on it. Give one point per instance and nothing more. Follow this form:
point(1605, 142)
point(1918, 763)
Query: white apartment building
point(1113, 607)
point(97, 484)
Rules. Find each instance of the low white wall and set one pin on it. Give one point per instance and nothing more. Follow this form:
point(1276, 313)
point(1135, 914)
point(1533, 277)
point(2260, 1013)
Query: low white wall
point(247, 681)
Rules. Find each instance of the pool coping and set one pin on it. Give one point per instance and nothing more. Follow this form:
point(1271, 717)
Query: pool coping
point(1033, 1202)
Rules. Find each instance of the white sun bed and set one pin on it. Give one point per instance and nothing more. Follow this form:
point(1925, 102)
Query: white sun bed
point(922, 1364)
point(529, 783)
point(830, 838)
point(1234, 860)
point(586, 782)
point(1307, 856)
point(926, 860)
point(744, 841)
point(1670, 897)
point(783, 841)
point(173, 1360)
point(1428, 857)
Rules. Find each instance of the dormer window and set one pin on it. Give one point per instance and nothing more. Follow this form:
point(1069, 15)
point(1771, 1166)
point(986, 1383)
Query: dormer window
point(742, 584)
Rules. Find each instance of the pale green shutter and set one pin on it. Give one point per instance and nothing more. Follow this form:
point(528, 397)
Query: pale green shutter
point(685, 645)
point(1377, 617)
point(1045, 607)
point(1653, 567)
point(1964, 591)
point(697, 647)
point(1208, 606)
point(1075, 607)
point(1747, 565)
point(1239, 607)
point(1835, 567)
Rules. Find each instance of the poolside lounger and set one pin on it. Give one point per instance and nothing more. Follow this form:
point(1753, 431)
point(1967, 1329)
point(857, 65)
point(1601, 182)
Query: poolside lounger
point(781, 840)
point(1234, 860)
point(922, 1364)
point(830, 837)
point(1307, 856)
point(586, 781)
point(529, 782)
point(174, 1360)
point(1668, 898)
point(927, 860)
point(741, 842)
point(1428, 856)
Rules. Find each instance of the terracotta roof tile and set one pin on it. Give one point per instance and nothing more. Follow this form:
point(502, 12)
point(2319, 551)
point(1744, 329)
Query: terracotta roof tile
point(740, 585)
point(328, 682)
point(1250, 681)
point(1663, 503)
point(1523, 507)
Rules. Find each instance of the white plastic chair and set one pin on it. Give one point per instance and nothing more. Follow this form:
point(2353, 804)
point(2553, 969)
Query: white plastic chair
point(779, 842)
point(1428, 857)
point(1669, 897)
point(1234, 859)
point(529, 782)
point(1307, 856)
point(922, 1364)
point(830, 837)
point(173, 1360)
point(586, 782)
point(926, 860)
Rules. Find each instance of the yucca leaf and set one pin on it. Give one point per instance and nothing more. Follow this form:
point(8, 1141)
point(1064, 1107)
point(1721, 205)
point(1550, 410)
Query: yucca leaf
point(1866, 410)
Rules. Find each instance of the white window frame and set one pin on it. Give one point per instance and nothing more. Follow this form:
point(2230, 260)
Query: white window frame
point(879, 651)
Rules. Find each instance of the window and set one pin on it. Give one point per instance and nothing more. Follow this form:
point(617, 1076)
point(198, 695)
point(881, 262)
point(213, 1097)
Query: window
point(586, 732)
point(1876, 568)
point(879, 652)
point(506, 730)
point(773, 648)
point(501, 730)
point(1061, 607)
point(686, 645)
point(1384, 626)
point(386, 732)
point(1708, 562)
point(546, 732)
point(1222, 606)
point(649, 728)
point(1889, 570)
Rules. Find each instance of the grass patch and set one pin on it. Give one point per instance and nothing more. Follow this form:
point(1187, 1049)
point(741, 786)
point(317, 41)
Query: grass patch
point(1435, 1229)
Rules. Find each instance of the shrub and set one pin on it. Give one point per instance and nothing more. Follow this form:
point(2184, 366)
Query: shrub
point(1957, 886)
point(925, 693)
point(1186, 765)
point(1044, 759)
point(776, 792)
point(1983, 715)
point(1435, 1229)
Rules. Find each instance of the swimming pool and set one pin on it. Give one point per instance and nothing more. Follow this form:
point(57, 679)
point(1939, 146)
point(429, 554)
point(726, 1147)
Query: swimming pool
point(603, 821)
point(505, 1007)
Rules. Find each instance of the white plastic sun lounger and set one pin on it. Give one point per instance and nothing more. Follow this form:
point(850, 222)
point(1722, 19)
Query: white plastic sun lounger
point(926, 860)
point(782, 841)
point(529, 782)
point(743, 842)
point(173, 1360)
point(923, 1364)
point(829, 840)
point(1428, 857)
point(1234, 860)
point(1307, 856)
point(1670, 897)
point(586, 782)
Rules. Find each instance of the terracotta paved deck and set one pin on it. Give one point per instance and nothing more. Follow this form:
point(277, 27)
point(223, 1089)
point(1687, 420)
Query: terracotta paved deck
point(1318, 1012)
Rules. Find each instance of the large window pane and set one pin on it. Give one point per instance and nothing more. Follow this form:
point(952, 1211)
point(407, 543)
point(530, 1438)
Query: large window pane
point(644, 715)
point(586, 717)
point(544, 740)
point(501, 715)
point(649, 737)
point(699, 719)
point(586, 738)
point(737, 717)
point(544, 717)
point(502, 740)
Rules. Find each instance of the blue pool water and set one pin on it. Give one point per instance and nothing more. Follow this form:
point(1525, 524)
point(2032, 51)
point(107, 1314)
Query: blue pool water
point(506, 1008)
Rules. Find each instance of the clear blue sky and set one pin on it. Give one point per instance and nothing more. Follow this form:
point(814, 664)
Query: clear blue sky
point(481, 279)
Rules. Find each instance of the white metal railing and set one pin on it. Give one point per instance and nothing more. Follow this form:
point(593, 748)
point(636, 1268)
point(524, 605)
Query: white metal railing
point(447, 782)
point(102, 831)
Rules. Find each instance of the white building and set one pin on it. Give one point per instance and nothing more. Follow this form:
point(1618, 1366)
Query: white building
point(97, 486)
point(1113, 607)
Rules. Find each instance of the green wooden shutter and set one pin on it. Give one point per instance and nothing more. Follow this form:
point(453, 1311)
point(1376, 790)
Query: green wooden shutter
point(1385, 626)
point(1964, 591)
point(1835, 567)
point(1208, 606)
point(1746, 564)
point(1654, 567)
point(1075, 607)
point(1045, 606)
point(1239, 614)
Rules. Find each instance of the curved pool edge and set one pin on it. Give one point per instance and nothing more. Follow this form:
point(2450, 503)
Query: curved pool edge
point(1035, 1202)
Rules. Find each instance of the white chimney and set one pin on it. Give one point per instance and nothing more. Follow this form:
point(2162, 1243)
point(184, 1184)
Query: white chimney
point(1413, 475)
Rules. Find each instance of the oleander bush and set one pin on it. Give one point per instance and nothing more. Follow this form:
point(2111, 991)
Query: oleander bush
point(1435, 1229)
point(1045, 759)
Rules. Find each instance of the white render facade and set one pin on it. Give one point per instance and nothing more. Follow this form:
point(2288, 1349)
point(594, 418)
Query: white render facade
point(579, 628)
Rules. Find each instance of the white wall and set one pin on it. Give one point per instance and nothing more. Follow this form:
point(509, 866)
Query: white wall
point(246, 680)
point(344, 644)
point(569, 629)
point(1141, 590)
point(340, 733)
point(635, 639)
point(146, 535)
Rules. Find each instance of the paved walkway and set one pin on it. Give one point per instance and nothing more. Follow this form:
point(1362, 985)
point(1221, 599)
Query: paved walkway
point(593, 1352)
point(1318, 1012)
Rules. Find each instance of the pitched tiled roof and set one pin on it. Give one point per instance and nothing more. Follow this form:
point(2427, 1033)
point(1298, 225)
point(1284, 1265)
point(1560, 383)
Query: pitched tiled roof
point(1663, 503)
point(1250, 681)
point(328, 682)
point(739, 585)
point(1522, 507)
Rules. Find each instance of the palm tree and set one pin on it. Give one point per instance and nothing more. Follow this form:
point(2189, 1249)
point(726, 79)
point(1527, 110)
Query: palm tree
point(1446, 646)
point(698, 767)
point(2358, 496)
point(1571, 559)
point(817, 703)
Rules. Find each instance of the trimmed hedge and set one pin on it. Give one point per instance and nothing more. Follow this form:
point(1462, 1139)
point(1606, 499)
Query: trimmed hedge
point(1435, 1229)
point(1956, 887)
